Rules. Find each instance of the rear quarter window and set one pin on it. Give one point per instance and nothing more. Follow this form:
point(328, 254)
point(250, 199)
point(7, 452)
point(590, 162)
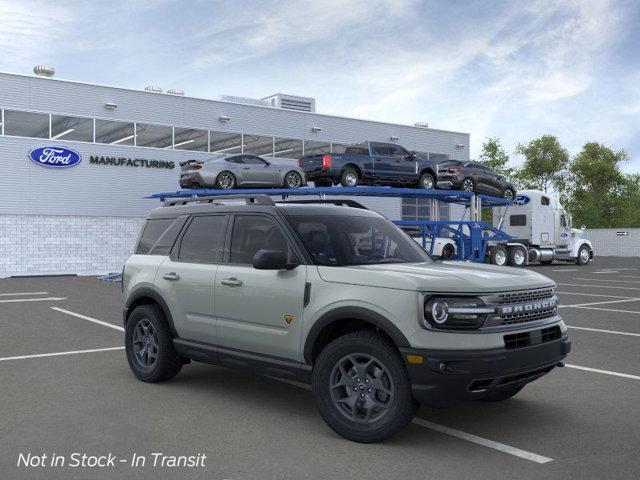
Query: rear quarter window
point(159, 235)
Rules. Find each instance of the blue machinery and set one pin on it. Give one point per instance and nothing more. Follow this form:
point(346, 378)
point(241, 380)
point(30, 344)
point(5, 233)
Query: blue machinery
point(471, 236)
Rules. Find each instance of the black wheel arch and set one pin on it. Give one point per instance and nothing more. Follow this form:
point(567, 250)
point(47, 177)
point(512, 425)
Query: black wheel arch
point(428, 170)
point(146, 296)
point(353, 166)
point(351, 318)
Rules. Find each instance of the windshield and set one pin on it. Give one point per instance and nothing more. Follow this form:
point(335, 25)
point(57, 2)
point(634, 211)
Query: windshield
point(339, 241)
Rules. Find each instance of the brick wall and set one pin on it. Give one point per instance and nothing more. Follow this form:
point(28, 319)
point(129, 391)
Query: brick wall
point(83, 245)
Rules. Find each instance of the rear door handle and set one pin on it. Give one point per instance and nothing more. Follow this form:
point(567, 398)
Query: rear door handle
point(173, 276)
point(232, 282)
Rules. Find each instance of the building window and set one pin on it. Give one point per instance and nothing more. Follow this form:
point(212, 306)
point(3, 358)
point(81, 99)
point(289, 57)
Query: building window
point(114, 133)
point(224, 142)
point(316, 148)
point(157, 136)
point(258, 145)
point(287, 148)
point(191, 139)
point(26, 124)
point(72, 128)
point(419, 209)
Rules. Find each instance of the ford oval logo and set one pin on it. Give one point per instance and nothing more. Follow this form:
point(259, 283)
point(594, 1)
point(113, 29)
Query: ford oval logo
point(55, 157)
point(521, 200)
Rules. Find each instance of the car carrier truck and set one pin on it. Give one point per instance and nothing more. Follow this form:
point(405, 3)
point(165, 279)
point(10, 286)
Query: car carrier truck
point(540, 231)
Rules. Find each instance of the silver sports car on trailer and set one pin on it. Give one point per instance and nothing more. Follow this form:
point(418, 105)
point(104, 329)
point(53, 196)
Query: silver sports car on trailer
point(232, 171)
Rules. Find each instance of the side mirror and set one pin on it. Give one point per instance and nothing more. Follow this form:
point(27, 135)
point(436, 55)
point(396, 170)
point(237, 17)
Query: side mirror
point(583, 227)
point(272, 260)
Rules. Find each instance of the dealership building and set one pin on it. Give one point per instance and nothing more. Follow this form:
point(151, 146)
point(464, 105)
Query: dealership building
point(84, 217)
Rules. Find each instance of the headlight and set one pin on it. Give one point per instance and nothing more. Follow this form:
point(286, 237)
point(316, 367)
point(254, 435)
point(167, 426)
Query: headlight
point(455, 313)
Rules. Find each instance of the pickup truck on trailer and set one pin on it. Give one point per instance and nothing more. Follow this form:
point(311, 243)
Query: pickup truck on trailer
point(371, 163)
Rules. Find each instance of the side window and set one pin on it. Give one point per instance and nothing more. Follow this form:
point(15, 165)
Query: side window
point(238, 159)
point(203, 242)
point(153, 229)
point(517, 220)
point(252, 233)
point(563, 221)
point(168, 238)
point(544, 200)
point(396, 151)
point(381, 149)
point(253, 160)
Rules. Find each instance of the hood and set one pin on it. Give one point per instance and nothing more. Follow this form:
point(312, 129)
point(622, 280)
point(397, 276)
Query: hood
point(442, 277)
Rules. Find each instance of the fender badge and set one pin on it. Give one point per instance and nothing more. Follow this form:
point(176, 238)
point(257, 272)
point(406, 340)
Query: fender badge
point(287, 317)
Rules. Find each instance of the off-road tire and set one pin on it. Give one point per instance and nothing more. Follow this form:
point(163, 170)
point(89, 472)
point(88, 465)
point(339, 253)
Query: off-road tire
point(167, 363)
point(400, 409)
point(501, 395)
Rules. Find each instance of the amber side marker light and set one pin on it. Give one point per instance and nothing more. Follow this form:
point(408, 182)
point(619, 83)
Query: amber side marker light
point(415, 359)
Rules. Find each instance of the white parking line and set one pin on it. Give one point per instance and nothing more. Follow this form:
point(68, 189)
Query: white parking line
point(595, 303)
point(534, 457)
point(565, 269)
point(22, 293)
point(57, 354)
point(606, 372)
point(599, 330)
point(43, 299)
point(596, 286)
point(592, 294)
point(604, 272)
point(89, 319)
point(610, 310)
point(605, 280)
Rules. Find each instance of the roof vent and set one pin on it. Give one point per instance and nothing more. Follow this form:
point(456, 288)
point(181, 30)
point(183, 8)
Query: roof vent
point(292, 102)
point(175, 91)
point(422, 124)
point(153, 88)
point(44, 71)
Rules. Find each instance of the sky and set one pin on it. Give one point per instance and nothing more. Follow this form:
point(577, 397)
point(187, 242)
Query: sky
point(514, 70)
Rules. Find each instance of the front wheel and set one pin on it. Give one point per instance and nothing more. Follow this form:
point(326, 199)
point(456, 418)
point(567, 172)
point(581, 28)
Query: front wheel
point(292, 180)
point(427, 181)
point(468, 185)
point(362, 388)
point(584, 255)
point(149, 345)
point(448, 251)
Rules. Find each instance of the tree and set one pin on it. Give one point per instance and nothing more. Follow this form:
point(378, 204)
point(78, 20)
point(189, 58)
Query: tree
point(495, 157)
point(599, 191)
point(545, 164)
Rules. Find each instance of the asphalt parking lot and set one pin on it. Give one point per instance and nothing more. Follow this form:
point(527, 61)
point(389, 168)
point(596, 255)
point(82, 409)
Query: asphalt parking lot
point(66, 387)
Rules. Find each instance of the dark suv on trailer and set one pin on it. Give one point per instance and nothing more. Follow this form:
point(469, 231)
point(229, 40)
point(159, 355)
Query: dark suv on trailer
point(475, 177)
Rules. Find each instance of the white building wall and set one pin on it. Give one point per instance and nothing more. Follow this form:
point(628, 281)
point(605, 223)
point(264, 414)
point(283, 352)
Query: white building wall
point(613, 242)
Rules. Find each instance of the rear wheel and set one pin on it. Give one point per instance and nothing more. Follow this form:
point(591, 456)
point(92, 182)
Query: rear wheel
point(225, 181)
point(517, 256)
point(293, 179)
point(149, 345)
point(362, 388)
point(501, 395)
point(498, 255)
point(448, 251)
point(508, 194)
point(349, 178)
point(427, 181)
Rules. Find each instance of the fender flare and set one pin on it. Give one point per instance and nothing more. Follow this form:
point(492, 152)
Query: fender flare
point(150, 293)
point(351, 313)
point(579, 244)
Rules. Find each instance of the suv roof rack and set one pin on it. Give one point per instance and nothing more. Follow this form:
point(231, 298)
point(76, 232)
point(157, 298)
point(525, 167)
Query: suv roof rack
point(339, 202)
point(260, 199)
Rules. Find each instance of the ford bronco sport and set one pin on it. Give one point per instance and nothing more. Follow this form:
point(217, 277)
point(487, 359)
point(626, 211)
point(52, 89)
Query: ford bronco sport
point(337, 297)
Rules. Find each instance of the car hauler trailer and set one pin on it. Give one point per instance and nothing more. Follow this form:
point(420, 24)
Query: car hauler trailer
point(474, 239)
point(538, 221)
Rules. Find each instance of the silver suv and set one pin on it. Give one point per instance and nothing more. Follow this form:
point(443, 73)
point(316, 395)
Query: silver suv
point(337, 297)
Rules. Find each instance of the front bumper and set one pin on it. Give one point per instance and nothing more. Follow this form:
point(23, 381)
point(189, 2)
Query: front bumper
point(448, 377)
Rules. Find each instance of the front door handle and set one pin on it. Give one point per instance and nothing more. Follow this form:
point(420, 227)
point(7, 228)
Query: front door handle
point(173, 276)
point(232, 282)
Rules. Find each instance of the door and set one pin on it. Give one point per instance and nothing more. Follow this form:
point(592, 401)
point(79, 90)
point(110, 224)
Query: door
point(257, 171)
point(382, 169)
point(259, 311)
point(403, 164)
point(564, 230)
point(187, 278)
point(493, 180)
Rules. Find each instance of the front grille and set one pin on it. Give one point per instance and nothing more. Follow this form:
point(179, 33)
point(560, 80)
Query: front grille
point(523, 317)
point(525, 339)
point(525, 296)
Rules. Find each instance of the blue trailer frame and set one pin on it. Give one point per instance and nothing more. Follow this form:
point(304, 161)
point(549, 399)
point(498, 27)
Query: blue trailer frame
point(472, 237)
